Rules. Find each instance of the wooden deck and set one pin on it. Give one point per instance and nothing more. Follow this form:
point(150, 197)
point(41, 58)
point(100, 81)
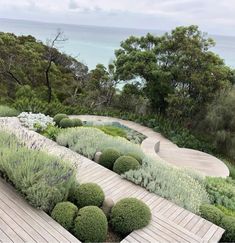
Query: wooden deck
point(170, 223)
point(19, 222)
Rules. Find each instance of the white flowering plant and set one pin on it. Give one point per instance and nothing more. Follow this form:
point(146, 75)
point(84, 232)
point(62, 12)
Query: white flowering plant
point(36, 122)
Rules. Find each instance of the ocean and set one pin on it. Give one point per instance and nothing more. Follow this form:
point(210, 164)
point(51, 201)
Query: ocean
point(92, 44)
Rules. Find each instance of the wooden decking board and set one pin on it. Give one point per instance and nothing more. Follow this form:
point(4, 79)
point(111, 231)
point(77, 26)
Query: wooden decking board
point(156, 235)
point(181, 216)
point(186, 219)
point(140, 238)
point(202, 231)
point(4, 238)
point(192, 222)
point(178, 231)
point(11, 234)
point(210, 233)
point(169, 212)
point(129, 239)
point(52, 231)
point(21, 220)
point(217, 235)
point(16, 227)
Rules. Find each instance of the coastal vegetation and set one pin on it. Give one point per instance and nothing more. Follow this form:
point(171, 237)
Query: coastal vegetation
point(172, 83)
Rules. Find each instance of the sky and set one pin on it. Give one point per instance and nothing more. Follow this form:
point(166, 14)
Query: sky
point(212, 16)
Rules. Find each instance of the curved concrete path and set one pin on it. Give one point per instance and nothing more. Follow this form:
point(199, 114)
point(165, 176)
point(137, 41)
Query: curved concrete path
point(168, 151)
point(170, 223)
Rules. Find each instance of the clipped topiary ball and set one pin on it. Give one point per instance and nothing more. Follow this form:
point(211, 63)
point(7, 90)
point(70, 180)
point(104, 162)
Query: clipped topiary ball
point(135, 156)
point(57, 118)
point(91, 225)
point(66, 123)
point(88, 194)
point(108, 157)
point(211, 213)
point(72, 192)
point(124, 164)
point(228, 223)
point(64, 213)
point(129, 214)
point(77, 122)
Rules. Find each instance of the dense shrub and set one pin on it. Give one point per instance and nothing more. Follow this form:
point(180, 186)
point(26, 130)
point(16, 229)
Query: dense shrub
point(43, 179)
point(228, 223)
point(6, 111)
point(163, 179)
point(88, 194)
point(129, 214)
point(51, 132)
point(57, 118)
point(221, 191)
point(108, 157)
point(135, 156)
point(37, 122)
point(72, 191)
point(87, 141)
point(64, 213)
point(113, 131)
point(226, 211)
point(91, 225)
point(124, 164)
point(76, 122)
point(211, 213)
point(66, 123)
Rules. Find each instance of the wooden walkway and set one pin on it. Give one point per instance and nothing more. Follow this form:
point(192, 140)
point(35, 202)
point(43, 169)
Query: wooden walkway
point(19, 222)
point(170, 223)
point(170, 152)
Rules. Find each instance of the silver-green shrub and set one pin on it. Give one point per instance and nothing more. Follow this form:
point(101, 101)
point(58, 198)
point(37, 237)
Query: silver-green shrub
point(6, 111)
point(87, 141)
point(43, 179)
point(171, 183)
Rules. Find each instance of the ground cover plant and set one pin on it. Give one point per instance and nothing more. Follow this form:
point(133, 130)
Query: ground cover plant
point(6, 111)
point(43, 180)
point(87, 141)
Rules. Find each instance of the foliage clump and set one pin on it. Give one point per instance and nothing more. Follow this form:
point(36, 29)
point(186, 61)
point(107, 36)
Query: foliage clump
point(91, 225)
point(66, 123)
point(43, 179)
point(228, 223)
point(108, 157)
point(124, 164)
point(77, 122)
point(6, 111)
point(64, 213)
point(88, 194)
point(57, 118)
point(129, 214)
point(211, 213)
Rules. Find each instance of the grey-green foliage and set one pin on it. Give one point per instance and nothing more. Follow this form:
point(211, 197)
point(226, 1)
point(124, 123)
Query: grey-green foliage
point(171, 183)
point(6, 111)
point(44, 180)
point(87, 141)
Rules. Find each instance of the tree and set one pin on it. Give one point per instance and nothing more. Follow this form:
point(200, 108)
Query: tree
point(180, 74)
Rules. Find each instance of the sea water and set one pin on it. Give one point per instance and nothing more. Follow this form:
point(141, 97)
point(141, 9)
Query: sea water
point(92, 45)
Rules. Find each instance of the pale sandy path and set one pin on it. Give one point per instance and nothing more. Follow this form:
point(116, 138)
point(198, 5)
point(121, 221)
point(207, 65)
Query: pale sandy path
point(170, 152)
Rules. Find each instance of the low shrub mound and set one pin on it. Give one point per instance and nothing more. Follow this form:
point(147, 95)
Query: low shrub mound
point(91, 225)
point(124, 164)
point(211, 213)
point(6, 111)
point(64, 213)
point(108, 157)
point(43, 179)
point(129, 214)
point(228, 223)
point(66, 123)
point(57, 118)
point(135, 156)
point(77, 122)
point(88, 194)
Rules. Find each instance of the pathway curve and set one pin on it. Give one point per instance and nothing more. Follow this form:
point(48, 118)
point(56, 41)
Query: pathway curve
point(170, 223)
point(168, 151)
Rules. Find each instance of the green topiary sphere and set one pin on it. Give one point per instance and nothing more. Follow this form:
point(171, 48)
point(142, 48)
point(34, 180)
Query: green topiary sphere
point(228, 223)
point(77, 122)
point(91, 225)
point(57, 118)
point(108, 157)
point(211, 213)
point(64, 213)
point(124, 164)
point(129, 214)
point(135, 156)
point(66, 123)
point(88, 194)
